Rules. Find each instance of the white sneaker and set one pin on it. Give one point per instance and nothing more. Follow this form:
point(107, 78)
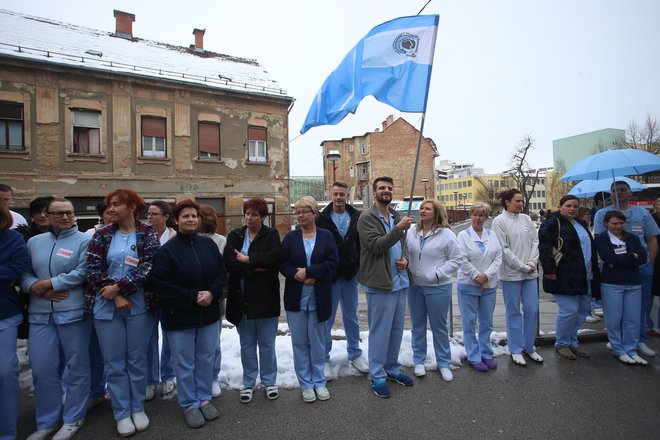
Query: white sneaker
point(140, 420)
point(645, 350)
point(167, 389)
point(598, 312)
point(360, 364)
point(446, 374)
point(420, 370)
point(327, 372)
point(626, 359)
point(639, 360)
point(591, 319)
point(68, 430)
point(609, 346)
point(215, 389)
point(518, 359)
point(42, 434)
point(125, 427)
point(151, 392)
point(535, 356)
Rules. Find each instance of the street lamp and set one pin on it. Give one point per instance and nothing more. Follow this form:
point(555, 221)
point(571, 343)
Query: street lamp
point(333, 156)
point(425, 181)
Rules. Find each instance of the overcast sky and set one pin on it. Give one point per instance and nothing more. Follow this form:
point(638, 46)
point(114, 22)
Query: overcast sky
point(502, 69)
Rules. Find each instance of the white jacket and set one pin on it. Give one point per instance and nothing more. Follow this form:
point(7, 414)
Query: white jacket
point(520, 246)
point(437, 262)
point(476, 262)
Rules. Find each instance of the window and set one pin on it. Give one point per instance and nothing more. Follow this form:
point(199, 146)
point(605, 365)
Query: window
point(350, 148)
point(352, 172)
point(86, 126)
point(363, 149)
point(257, 144)
point(209, 140)
point(11, 126)
point(469, 183)
point(363, 172)
point(154, 137)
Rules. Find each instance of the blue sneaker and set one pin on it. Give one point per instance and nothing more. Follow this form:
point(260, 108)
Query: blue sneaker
point(380, 388)
point(401, 379)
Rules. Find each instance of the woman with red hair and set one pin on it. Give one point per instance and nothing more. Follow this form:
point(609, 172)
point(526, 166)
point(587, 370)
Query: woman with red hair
point(119, 260)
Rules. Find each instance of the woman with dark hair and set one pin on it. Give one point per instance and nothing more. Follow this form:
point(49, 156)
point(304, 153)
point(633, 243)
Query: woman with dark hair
point(621, 286)
point(59, 334)
point(159, 216)
point(434, 258)
point(39, 221)
point(252, 257)
point(119, 261)
point(309, 259)
point(517, 236)
point(14, 260)
point(208, 224)
point(104, 218)
point(571, 275)
point(477, 287)
point(189, 275)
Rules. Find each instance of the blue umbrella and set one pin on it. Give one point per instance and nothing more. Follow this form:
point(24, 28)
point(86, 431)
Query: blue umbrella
point(627, 162)
point(588, 188)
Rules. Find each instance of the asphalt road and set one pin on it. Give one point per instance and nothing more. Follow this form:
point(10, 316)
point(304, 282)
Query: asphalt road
point(596, 398)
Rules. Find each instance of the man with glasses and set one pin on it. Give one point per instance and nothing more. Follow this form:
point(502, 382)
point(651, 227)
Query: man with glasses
point(638, 222)
point(7, 194)
point(383, 262)
point(341, 220)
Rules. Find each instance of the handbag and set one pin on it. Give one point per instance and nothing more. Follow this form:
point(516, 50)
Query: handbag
point(556, 250)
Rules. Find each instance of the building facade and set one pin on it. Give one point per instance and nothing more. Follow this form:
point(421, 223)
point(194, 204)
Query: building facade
point(387, 152)
point(86, 111)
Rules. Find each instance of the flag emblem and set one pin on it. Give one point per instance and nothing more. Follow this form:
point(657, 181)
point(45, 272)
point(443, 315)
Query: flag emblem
point(406, 44)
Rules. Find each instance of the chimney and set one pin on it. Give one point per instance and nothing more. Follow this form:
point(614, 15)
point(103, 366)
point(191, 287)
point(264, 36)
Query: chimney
point(199, 39)
point(124, 24)
point(387, 122)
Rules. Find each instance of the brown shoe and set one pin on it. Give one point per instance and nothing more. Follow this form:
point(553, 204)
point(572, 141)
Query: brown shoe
point(566, 353)
point(579, 352)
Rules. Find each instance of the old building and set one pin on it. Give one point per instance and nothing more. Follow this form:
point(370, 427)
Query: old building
point(84, 111)
point(387, 152)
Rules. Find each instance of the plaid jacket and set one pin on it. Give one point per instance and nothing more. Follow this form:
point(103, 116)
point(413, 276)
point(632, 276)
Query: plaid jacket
point(97, 265)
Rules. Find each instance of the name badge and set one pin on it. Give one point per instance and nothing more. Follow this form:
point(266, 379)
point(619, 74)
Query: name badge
point(636, 228)
point(61, 252)
point(620, 250)
point(132, 261)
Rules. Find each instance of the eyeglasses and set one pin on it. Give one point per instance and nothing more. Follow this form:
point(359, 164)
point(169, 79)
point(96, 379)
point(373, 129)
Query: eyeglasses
point(153, 214)
point(61, 213)
point(304, 211)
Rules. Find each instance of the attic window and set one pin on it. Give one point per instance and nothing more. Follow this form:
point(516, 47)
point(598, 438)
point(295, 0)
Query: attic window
point(93, 52)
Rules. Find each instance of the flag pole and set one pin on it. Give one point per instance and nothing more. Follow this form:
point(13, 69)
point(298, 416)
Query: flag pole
point(414, 177)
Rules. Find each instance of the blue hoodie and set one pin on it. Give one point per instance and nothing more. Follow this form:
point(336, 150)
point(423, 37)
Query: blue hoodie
point(13, 261)
point(62, 259)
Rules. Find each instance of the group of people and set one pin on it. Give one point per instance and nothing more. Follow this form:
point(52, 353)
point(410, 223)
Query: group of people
point(96, 299)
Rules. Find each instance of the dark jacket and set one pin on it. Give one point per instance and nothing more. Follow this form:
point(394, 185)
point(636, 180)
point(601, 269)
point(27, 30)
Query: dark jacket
point(324, 263)
point(571, 271)
point(14, 261)
point(184, 266)
point(138, 278)
point(656, 268)
point(261, 298)
point(348, 247)
point(620, 268)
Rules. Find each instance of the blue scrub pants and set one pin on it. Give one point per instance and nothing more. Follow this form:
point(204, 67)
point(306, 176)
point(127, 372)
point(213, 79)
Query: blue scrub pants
point(646, 274)
point(477, 305)
point(159, 366)
point(521, 327)
point(10, 392)
point(571, 311)
point(385, 312)
point(217, 355)
point(258, 332)
point(346, 293)
point(46, 341)
point(124, 340)
point(430, 302)
point(192, 352)
point(96, 366)
point(308, 340)
point(621, 305)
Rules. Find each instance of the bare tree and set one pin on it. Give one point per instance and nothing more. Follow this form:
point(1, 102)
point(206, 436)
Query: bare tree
point(645, 136)
point(487, 193)
point(524, 178)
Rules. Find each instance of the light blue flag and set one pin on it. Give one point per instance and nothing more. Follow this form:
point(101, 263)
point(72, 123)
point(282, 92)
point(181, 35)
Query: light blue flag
point(392, 63)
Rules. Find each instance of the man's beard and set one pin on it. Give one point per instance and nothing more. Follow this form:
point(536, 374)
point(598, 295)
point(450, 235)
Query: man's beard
point(383, 200)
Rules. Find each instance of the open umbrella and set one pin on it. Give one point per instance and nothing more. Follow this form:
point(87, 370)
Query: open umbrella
point(588, 188)
point(611, 163)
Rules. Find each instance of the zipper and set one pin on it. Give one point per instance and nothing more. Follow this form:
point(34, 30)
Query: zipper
point(50, 260)
point(199, 264)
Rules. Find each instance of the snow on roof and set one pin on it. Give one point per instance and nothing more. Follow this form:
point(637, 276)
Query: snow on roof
point(49, 41)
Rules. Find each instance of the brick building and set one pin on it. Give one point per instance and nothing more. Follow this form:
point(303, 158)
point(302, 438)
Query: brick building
point(387, 152)
point(84, 111)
